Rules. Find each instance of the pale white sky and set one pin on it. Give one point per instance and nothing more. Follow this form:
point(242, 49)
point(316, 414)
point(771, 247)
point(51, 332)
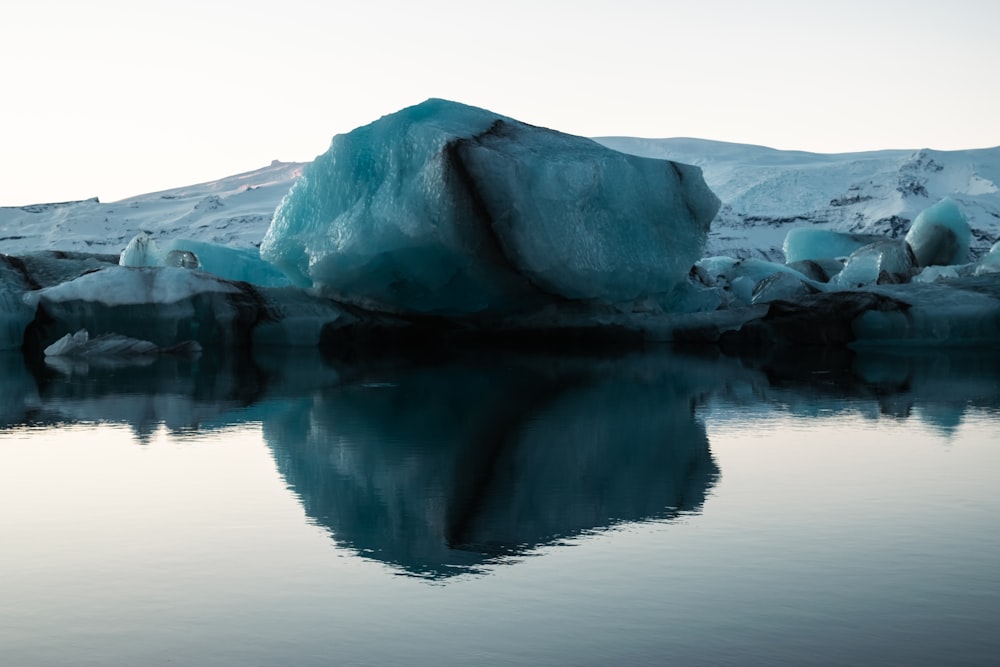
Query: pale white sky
point(114, 98)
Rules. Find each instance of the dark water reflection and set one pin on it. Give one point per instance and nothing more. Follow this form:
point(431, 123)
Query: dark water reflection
point(439, 466)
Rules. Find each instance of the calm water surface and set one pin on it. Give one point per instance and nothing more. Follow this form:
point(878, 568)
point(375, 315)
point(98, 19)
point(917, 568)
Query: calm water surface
point(496, 509)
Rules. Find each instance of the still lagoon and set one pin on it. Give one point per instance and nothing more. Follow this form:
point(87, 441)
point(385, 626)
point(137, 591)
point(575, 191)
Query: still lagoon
point(502, 508)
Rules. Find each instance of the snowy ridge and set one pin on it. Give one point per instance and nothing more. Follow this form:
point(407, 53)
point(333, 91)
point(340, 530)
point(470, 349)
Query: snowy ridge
point(233, 211)
point(765, 192)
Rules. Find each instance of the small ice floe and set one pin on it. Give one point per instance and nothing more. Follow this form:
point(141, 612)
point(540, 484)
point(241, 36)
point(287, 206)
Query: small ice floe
point(80, 344)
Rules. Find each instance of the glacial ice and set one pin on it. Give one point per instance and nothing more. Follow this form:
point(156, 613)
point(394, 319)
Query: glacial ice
point(940, 235)
point(739, 277)
point(964, 312)
point(821, 270)
point(782, 285)
point(991, 261)
point(128, 287)
point(886, 261)
point(168, 306)
point(804, 243)
point(21, 275)
point(80, 344)
point(449, 209)
point(229, 263)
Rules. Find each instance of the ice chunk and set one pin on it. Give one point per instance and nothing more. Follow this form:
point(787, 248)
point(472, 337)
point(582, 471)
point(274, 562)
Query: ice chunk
point(964, 312)
point(740, 277)
point(70, 343)
point(125, 287)
point(940, 235)
point(989, 263)
point(888, 261)
point(809, 243)
point(51, 267)
point(142, 250)
point(230, 263)
point(184, 259)
point(781, 285)
point(21, 275)
point(821, 270)
point(80, 344)
point(931, 274)
point(450, 209)
point(168, 306)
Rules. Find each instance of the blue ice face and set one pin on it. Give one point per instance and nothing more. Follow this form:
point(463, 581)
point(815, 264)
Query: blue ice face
point(886, 261)
point(229, 263)
point(807, 243)
point(449, 209)
point(940, 235)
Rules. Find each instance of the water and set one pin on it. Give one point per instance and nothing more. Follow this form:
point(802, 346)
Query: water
point(502, 509)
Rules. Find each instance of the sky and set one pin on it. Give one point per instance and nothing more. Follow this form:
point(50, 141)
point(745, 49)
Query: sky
point(114, 98)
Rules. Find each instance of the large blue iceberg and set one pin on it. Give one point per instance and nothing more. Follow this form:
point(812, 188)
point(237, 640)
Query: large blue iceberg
point(448, 209)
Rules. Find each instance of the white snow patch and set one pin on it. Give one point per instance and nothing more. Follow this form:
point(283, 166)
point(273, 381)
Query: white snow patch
point(123, 286)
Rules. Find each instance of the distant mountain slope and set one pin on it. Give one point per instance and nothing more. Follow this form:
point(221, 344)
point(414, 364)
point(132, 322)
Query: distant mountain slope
point(234, 211)
point(765, 192)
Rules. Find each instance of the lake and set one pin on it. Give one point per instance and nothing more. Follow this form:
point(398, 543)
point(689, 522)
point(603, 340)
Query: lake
point(495, 507)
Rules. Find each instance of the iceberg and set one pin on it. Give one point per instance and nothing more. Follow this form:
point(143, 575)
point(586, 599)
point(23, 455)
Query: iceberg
point(804, 243)
point(821, 270)
point(889, 261)
point(168, 306)
point(447, 209)
point(959, 312)
point(991, 262)
point(940, 235)
point(783, 286)
point(741, 278)
point(21, 275)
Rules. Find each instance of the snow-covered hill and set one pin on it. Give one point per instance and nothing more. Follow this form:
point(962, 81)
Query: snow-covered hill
point(233, 211)
point(765, 192)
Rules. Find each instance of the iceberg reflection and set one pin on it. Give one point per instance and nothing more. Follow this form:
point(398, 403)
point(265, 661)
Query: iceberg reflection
point(452, 461)
point(442, 468)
